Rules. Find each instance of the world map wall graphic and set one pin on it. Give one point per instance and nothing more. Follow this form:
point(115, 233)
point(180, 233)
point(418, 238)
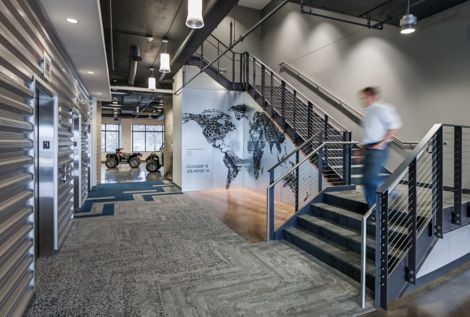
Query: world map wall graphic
point(216, 125)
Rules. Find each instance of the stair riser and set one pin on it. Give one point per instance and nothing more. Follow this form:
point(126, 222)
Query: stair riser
point(358, 180)
point(347, 222)
point(340, 265)
point(329, 235)
point(351, 223)
point(344, 202)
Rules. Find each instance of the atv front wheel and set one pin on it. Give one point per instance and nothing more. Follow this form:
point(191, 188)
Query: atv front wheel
point(111, 162)
point(134, 162)
point(152, 166)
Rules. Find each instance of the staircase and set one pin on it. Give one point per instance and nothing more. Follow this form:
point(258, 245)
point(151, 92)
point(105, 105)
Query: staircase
point(382, 247)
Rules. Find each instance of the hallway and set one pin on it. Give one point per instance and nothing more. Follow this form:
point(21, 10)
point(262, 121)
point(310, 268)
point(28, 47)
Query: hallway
point(172, 257)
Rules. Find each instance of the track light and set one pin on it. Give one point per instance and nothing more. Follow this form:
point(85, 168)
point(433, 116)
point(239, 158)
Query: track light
point(165, 59)
point(408, 22)
point(152, 84)
point(194, 19)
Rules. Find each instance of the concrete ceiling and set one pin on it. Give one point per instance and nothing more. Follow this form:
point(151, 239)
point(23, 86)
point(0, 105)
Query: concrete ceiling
point(254, 4)
point(387, 11)
point(133, 21)
point(84, 41)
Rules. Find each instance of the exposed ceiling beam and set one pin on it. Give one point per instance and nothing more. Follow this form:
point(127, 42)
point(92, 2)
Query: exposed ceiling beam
point(140, 89)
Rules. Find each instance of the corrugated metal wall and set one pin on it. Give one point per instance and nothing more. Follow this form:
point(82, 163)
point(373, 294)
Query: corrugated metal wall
point(23, 41)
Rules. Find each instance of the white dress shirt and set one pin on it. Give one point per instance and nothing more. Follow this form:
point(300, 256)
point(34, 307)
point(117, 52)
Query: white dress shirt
point(380, 117)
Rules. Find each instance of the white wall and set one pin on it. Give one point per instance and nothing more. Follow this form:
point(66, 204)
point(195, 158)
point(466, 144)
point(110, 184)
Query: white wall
point(447, 250)
point(425, 75)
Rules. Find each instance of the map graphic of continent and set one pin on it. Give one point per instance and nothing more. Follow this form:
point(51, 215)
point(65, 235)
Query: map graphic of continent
point(216, 125)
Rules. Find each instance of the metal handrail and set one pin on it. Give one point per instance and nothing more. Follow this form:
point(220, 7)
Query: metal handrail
point(341, 103)
point(339, 126)
point(400, 171)
point(308, 157)
point(294, 151)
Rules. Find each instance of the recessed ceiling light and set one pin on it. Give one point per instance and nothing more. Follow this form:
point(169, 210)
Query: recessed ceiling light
point(90, 72)
point(72, 20)
point(99, 93)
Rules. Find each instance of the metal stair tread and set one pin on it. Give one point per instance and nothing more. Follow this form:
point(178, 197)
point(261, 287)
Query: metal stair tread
point(338, 229)
point(339, 210)
point(335, 250)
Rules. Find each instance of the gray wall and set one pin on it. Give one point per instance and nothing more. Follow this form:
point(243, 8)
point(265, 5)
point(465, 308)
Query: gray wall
point(425, 75)
point(242, 19)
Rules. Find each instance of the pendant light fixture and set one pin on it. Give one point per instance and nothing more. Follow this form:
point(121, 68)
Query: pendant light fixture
point(408, 22)
point(165, 59)
point(194, 19)
point(152, 80)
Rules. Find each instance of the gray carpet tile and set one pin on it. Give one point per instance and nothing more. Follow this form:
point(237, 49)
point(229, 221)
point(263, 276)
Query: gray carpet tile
point(171, 257)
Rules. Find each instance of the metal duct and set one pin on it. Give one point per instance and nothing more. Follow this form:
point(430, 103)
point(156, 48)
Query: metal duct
point(134, 58)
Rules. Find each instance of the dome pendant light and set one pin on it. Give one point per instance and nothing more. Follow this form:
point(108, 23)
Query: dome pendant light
point(165, 60)
point(152, 80)
point(194, 19)
point(408, 22)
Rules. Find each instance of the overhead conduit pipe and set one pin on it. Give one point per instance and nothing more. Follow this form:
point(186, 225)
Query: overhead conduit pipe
point(134, 58)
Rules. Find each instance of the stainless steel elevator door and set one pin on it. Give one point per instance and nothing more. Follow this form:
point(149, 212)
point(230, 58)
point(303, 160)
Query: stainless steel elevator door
point(84, 160)
point(65, 170)
point(16, 195)
point(45, 180)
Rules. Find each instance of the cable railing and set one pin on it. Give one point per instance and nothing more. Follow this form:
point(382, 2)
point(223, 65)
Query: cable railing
point(414, 197)
point(354, 114)
point(302, 180)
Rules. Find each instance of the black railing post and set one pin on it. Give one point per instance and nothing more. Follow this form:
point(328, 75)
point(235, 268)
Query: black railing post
point(263, 70)
point(254, 77)
point(295, 116)
point(412, 229)
point(320, 163)
point(297, 176)
point(247, 71)
point(283, 104)
point(270, 216)
point(347, 158)
point(381, 243)
point(326, 137)
point(437, 182)
point(271, 101)
point(240, 56)
point(457, 212)
point(309, 119)
point(233, 67)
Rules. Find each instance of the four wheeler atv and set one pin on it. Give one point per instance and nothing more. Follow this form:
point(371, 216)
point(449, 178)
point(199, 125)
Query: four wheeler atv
point(153, 163)
point(113, 159)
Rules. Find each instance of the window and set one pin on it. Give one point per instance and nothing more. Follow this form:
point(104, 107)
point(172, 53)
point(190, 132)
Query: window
point(147, 138)
point(110, 137)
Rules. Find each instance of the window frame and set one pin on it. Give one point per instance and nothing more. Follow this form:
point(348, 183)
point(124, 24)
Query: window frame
point(145, 132)
point(105, 132)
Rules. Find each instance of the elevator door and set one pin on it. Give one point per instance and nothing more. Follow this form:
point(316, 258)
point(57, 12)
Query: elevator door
point(16, 195)
point(77, 160)
point(45, 186)
point(84, 160)
point(65, 170)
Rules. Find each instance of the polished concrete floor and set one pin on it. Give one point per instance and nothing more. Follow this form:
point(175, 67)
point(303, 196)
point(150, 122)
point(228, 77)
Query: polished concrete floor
point(242, 210)
point(123, 173)
point(174, 257)
point(448, 296)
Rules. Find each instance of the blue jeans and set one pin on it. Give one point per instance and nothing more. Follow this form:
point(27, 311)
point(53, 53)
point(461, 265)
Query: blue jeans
point(374, 160)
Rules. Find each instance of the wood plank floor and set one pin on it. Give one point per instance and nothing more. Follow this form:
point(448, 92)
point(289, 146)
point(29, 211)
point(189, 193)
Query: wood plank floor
point(242, 210)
